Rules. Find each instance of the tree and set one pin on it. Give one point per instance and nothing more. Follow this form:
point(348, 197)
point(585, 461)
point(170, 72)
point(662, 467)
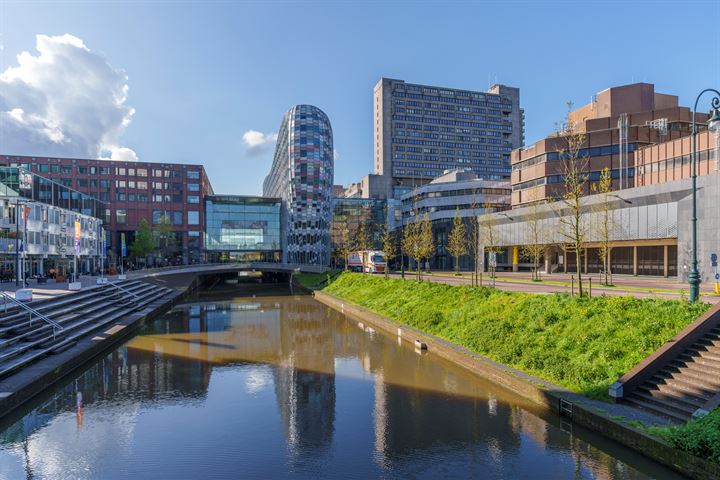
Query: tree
point(474, 240)
point(534, 247)
point(426, 247)
point(573, 226)
point(343, 247)
point(605, 222)
point(389, 246)
point(457, 241)
point(489, 233)
point(143, 245)
point(411, 243)
point(364, 239)
point(165, 239)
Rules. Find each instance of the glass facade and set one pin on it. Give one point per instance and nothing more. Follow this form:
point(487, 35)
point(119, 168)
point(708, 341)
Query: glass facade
point(16, 181)
point(301, 176)
point(352, 212)
point(242, 228)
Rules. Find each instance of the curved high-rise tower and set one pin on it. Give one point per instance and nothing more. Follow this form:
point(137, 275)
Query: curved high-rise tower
point(302, 177)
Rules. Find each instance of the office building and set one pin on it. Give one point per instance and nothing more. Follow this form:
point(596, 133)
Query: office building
point(421, 131)
point(455, 192)
point(242, 228)
point(617, 123)
point(301, 176)
point(132, 191)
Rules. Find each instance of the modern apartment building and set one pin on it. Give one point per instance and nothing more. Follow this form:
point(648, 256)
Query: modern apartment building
point(48, 224)
point(301, 176)
point(132, 191)
point(420, 131)
point(617, 123)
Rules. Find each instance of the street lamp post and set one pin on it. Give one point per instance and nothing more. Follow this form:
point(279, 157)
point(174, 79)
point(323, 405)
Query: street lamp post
point(713, 124)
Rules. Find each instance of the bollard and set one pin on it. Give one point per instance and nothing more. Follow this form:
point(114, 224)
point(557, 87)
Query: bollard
point(590, 289)
point(572, 285)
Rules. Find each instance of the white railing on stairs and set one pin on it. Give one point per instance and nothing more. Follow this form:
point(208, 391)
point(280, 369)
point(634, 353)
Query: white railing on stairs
point(56, 326)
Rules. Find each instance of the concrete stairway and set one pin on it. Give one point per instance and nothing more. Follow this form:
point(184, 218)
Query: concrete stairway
point(686, 383)
point(23, 341)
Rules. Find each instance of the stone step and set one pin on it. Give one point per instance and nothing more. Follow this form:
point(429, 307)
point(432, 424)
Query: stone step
point(655, 398)
point(678, 388)
point(681, 382)
point(657, 409)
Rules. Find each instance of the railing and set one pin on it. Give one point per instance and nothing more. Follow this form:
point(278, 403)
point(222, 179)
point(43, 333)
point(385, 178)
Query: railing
point(56, 326)
point(115, 285)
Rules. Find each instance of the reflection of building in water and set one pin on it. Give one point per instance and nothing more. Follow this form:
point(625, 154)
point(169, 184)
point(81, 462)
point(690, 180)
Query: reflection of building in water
point(305, 378)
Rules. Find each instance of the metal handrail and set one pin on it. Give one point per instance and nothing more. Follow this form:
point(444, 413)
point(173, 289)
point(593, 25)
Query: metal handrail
point(32, 311)
point(123, 289)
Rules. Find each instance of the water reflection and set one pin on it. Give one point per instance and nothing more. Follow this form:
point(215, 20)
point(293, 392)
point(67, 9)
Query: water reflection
point(272, 387)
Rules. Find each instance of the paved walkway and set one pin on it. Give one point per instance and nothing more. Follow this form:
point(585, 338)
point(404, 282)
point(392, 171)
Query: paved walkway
point(642, 287)
point(51, 289)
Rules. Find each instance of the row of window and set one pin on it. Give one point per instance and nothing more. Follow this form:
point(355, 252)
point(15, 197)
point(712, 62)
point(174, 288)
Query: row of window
point(445, 106)
point(454, 130)
point(461, 101)
point(590, 177)
point(428, 143)
point(680, 161)
point(581, 153)
point(446, 114)
point(437, 136)
point(162, 216)
point(123, 171)
point(442, 121)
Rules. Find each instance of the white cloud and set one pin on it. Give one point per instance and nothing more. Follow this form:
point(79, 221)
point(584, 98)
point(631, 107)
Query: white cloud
point(258, 143)
point(65, 101)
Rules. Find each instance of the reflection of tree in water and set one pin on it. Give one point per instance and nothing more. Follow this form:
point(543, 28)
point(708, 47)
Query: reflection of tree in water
point(305, 378)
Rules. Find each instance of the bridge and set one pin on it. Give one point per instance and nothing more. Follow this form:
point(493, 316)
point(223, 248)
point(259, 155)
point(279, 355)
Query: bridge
point(218, 268)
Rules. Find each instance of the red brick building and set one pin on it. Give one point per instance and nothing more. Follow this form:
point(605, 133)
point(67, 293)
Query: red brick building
point(133, 191)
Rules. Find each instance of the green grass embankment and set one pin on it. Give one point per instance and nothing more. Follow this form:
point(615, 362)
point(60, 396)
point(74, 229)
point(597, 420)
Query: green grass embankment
point(700, 436)
point(580, 344)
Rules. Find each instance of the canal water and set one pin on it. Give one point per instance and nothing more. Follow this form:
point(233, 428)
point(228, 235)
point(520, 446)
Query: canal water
point(264, 385)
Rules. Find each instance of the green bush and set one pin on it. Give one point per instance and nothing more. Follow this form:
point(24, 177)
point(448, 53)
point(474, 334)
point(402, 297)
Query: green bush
point(581, 344)
point(700, 436)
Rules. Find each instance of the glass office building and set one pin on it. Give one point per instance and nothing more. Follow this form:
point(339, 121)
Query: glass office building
point(353, 212)
point(302, 177)
point(242, 228)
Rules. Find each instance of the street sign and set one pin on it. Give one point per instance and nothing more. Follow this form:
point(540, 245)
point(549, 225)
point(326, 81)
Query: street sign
point(77, 237)
point(717, 276)
point(123, 249)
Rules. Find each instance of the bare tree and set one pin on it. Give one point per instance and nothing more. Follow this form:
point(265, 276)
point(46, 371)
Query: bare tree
point(535, 248)
point(489, 234)
point(573, 225)
point(605, 222)
point(458, 241)
point(364, 240)
point(474, 241)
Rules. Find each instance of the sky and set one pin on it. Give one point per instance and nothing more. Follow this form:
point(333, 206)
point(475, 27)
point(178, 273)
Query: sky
point(208, 82)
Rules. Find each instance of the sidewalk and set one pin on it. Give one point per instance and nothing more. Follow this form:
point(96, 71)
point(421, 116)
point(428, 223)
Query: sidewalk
point(51, 289)
point(641, 287)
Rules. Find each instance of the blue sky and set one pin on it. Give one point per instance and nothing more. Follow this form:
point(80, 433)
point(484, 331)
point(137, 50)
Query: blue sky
point(201, 75)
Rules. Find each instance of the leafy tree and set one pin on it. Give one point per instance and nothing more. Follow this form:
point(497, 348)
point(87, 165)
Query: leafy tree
point(143, 245)
point(364, 239)
point(457, 241)
point(389, 245)
point(344, 246)
point(605, 222)
point(411, 243)
point(164, 234)
point(426, 242)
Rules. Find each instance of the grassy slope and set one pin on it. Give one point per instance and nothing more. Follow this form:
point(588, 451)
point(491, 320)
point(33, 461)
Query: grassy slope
point(583, 345)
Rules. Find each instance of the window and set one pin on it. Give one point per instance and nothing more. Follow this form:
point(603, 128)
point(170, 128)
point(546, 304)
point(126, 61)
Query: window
point(131, 184)
point(193, 174)
point(120, 184)
point(177, 218)
point(131, 172)
point(93, 170)
point(43, 168)
point(142, 197)
point(142, 185)
point(157, 216)
point(54, 168)
point(193, 218)
point(176, 174)
point(142, 172)
point(104, 183)
point(66, 168)
point(193, 187)
point(193, 199)
point(157, 172)
point(120, 216)
point(104, 170)
point(82, 170)
point(121, 171)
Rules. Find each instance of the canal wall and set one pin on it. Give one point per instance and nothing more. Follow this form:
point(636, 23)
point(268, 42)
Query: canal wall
point(21, 387)
point(610, 420)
